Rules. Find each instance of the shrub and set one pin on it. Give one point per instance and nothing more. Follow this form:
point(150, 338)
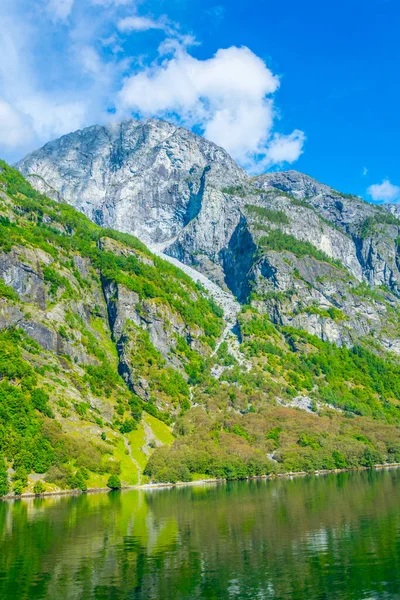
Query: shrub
point(136, 408)
point(339, 460)
point(56, 281)
point(274, 216)
point(18, 487)
point(128, 425)
point(40, 402)
point(58, 475)
point(7, 292)
point(77, 481)
point(114, 482)
point(284, 242)
point(38, 488)
point(237, 190)
point(273, 434)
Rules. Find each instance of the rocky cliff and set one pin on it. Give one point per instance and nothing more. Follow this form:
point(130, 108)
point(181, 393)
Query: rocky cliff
point(301, 252)
point(147, 179)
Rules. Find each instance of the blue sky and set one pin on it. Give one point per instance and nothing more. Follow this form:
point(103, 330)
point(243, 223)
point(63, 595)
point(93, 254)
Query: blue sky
point(307, 85)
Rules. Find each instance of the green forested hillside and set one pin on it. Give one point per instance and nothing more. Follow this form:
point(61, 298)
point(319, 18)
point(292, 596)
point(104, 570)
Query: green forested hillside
point(78, 308)
point(255, 420)
point(108, 368)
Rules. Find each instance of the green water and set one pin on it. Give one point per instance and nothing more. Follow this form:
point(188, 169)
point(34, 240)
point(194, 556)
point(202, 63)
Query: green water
point(335, 536)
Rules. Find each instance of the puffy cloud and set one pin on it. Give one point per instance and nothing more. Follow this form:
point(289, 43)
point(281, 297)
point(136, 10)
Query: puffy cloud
point(286, 148)
point(228, 96)
point(35, 115)
point(50, 117)
point(38, 104)
point(29, 113)
point(384, 192)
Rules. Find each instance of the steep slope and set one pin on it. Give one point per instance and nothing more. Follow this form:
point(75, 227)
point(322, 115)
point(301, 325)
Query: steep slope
point(94, 329)
point(299, 263)
point(372, 229)
point(302, 253)
point(304, 372)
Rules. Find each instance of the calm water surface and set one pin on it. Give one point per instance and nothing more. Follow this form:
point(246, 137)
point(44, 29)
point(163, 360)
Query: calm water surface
point(335, 536)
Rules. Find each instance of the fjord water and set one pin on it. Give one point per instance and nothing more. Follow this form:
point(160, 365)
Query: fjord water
point(334, 536)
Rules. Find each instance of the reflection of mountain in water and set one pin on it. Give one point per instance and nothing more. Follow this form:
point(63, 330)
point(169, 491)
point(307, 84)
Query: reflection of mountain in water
point(329, 537)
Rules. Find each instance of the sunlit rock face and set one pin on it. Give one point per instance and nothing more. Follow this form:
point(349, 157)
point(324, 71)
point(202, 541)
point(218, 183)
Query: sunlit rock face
point(305, 254)
point(145, 178)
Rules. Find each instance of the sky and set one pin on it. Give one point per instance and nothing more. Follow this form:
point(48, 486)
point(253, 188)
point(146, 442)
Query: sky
point(312, 86)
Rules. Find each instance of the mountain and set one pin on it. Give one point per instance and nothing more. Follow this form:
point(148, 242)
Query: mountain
point(306, 255)
point(145, 178)
point(252, 330)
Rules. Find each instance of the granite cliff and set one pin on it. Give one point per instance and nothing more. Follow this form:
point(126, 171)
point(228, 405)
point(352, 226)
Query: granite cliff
point(304, 254)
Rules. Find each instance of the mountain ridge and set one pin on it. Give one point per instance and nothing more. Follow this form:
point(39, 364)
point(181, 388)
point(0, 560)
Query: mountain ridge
point(189, 199)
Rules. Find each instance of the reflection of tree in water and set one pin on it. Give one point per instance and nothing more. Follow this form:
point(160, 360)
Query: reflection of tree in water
point(328, 537)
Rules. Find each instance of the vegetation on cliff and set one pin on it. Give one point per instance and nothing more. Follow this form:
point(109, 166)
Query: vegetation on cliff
point(106, 349)
point(67, 407)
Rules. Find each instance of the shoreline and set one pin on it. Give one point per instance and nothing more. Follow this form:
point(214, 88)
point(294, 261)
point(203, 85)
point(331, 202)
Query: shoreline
point(160, 486)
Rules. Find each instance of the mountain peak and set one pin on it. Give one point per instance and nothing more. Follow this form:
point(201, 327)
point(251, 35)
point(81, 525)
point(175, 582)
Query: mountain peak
point(143, 177)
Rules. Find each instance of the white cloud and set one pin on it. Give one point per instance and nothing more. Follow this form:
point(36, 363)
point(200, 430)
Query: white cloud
point(51, 117)
point(229, 96)
point(30, 114)
point(384, 192)
point(91, 61)
point(59, 10)
point(137, 23)
point(73, 90)
point(365, 171)
point(286, 148)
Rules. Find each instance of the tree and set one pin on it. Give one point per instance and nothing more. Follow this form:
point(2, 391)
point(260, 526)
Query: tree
point(128, 425)
point(38, 488)
point(114, 482)
point(18, 487)
point(3, 478)
point(77, 481)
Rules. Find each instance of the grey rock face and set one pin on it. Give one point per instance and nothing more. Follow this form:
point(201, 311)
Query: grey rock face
point(145, 178)
point(184, 196)
point(394, 209)
point(372, 232)
point(296, 184)
point(22, 272)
